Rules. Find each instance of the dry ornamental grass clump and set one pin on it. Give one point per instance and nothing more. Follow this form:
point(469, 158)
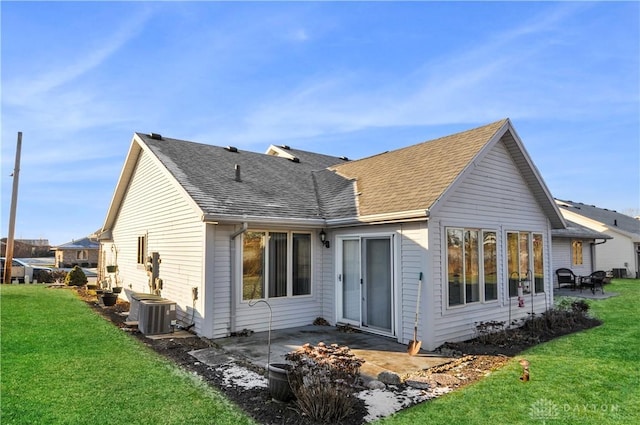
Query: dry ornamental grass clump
point(323, 379)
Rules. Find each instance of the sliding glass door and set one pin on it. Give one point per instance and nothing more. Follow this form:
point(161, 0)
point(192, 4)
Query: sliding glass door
point(365, 283)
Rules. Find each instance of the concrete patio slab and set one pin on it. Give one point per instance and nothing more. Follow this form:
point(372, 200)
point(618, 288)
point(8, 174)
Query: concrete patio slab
point(381, 354)
point(585, 293)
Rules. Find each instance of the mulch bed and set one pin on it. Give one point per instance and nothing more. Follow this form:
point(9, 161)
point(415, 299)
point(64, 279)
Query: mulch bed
point(472, 361)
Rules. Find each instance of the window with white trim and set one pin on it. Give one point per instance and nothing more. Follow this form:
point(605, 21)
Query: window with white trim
point(275, 264)
point(471, 266)
point(576, 252)
point(525, 262)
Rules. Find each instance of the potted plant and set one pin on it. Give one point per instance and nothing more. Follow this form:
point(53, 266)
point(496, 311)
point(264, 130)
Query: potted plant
point(115, 282)
point(112, 269)
point(109, 298)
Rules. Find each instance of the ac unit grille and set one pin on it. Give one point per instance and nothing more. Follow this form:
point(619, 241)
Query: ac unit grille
point(156, 316)
point(134, 303)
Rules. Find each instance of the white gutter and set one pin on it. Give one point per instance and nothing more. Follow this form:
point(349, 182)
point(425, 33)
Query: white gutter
point(240, 219)
point(403, 216)
point(394, 217)
point(232, 249)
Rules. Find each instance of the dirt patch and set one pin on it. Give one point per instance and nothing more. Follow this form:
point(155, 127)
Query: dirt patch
point(472, 361)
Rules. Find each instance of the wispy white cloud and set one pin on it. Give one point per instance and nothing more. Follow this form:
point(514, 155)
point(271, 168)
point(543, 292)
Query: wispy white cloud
point(25, 89)
point(506, 74)
point(58, 108)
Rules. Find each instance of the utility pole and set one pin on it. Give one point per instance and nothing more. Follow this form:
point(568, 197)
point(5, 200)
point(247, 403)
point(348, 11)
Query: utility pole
point(12, 213)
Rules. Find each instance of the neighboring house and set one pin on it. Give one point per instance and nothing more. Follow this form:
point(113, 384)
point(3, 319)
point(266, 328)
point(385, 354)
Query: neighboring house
point(82, 252)
point(574, 248)
point(621, 254)
point(469, 213)
point(27, 248)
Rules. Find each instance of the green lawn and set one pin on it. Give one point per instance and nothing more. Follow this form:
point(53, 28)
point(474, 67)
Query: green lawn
point(63, 364)
point(591, 377)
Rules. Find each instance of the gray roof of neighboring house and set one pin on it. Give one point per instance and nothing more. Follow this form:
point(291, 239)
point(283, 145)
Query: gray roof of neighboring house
point(577, 231)
point(84, 243)
point(610, 218)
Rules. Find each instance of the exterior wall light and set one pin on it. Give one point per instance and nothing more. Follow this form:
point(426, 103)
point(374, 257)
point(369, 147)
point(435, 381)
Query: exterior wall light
point(323, 239)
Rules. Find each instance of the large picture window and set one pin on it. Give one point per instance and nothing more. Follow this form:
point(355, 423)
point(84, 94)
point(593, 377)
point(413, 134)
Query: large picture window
point(275, 264)
point(471, 266)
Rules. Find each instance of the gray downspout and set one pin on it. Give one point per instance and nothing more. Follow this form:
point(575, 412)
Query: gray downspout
point(232, 250)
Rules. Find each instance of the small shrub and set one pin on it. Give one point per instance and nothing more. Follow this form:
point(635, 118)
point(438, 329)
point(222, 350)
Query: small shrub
point(492, 332)
point(58, 275)
point(557, 318)
point(75, 277)
point(564, 303)
point(323, 379)
point(43, 276)
point(580, 307)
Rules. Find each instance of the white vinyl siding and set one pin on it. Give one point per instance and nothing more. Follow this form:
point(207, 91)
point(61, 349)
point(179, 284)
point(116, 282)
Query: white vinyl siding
point(615, 252)
point(492, 195)
point(156, 207)
point(413, 248)
point(563, 257)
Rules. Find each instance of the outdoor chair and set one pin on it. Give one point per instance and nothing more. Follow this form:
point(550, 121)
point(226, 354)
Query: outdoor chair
point(594, 280)
point(566, 276)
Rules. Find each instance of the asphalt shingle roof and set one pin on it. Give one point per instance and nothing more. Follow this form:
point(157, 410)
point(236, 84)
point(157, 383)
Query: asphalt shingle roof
point(270, 186)
point(323, 187)
point(414, 177)
point(610, 218)
point(84, 243)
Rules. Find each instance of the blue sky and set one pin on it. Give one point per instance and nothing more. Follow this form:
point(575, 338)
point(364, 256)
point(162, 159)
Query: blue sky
point(351, 79)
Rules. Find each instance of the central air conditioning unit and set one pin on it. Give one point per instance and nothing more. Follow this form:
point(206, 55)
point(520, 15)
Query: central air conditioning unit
point(134, 303)
point(156, 316)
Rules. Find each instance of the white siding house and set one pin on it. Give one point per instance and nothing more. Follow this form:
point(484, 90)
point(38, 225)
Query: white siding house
point(621, 252)
point(574, 248)
point(468, 216)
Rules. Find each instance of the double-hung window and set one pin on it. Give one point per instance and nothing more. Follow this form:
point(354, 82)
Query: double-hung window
point(275, 264)
point(471, 266)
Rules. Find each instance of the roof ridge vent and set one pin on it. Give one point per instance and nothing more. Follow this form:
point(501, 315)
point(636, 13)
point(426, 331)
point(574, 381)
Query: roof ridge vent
point(344, 158)
point(155, 136)
point(286, 147)
point(231, 149)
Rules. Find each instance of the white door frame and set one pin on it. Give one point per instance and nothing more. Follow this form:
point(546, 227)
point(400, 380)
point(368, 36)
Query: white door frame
point(340, 316)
